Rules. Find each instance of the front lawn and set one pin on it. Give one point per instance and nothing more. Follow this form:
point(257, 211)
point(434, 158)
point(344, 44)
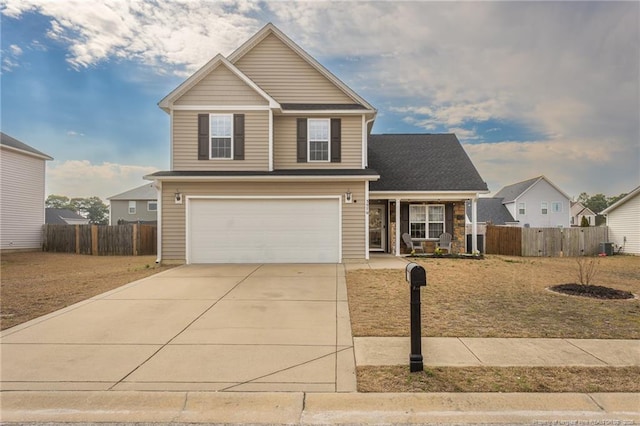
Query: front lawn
point(36, 283)
point(497, 297)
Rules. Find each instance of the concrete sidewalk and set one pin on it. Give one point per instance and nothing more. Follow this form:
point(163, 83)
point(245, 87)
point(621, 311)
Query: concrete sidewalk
point(320, 408)
point(499, 352)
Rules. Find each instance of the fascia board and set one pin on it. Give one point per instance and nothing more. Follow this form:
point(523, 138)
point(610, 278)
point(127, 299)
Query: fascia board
point(291, 178)
point(272, 29)
point(29, 153)
point(621, 201)
point(425, 195)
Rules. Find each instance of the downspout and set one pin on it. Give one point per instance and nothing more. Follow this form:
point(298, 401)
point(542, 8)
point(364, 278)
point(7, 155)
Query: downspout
point(365, 142)
point(474, 225)
point(158, 185)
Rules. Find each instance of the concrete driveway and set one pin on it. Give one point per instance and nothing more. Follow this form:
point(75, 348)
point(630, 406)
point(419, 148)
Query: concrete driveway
point(195, 327)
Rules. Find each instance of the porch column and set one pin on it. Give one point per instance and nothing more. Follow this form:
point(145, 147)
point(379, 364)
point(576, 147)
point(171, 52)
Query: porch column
point(397, 242)
point(474, 225)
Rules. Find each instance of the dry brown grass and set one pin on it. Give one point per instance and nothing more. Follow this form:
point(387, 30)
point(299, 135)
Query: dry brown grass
point(497, 297)
point(499, 379)
point(35, 283)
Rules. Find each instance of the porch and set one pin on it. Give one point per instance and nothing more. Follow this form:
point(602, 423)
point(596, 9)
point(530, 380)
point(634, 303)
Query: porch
point(424, 219)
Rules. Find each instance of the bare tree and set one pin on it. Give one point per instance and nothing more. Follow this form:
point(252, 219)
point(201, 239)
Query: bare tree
point(587, 269)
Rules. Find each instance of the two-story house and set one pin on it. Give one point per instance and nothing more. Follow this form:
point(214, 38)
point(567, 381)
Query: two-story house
point(537, 203)
point(137, 205)
point(272, 161)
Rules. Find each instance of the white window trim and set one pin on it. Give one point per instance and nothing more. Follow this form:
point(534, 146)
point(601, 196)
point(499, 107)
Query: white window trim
point(544, 208)
point(328, 121)
point(524, 208)
point(152, 202)
point(426, 208)
point(556, 203)
point(211, 137)
point(132, 205)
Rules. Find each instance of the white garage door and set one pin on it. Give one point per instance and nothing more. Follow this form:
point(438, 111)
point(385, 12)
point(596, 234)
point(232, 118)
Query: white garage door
point(263, 231)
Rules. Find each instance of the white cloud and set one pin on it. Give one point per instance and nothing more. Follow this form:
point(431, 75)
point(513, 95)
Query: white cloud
point(73, 133)
point(15, 50)
point(76, 178)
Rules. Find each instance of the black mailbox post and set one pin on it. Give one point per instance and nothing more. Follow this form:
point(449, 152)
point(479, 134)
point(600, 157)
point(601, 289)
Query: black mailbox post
point(416, 277)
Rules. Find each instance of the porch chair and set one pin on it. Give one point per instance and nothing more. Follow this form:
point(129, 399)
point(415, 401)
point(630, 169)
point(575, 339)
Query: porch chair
point(409, 243)
point(444, 242)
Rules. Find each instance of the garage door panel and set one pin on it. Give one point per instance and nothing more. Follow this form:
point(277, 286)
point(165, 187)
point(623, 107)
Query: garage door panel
point(264, 230)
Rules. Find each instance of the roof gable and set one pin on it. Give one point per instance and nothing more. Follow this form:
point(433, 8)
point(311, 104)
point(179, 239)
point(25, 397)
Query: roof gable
point(55, 216)
point(144, 192)
point(511, 193)
point(422, 162)
point(218, 60)
point(15, 145)
point(634, 193)
point(270, 38)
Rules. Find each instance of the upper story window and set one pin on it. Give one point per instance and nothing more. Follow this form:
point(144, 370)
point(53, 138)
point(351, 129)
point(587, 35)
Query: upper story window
point(152, 206)
point(544, 208)
point(221, 136)
point(318, 139)
point(426, 221)
point(521, 209)
point(132, 207)
point(556, 207)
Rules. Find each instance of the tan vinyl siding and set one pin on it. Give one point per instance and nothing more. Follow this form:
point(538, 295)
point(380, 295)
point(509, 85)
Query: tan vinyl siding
point(185, 142)
point(285, 144)
point(173, 215)
point(21, 200)
point(624, 221)
point(221, 87)
point(287, 77)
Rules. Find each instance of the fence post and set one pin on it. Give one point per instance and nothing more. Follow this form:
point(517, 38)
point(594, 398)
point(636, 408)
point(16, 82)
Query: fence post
point(135, 239)
point(94, 240)
point(77, 229)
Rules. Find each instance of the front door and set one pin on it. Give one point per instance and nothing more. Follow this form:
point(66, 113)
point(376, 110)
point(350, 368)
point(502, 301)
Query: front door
point(377, 227)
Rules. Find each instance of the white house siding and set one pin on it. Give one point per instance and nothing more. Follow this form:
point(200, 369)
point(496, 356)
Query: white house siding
point(173, 215)
point(21, 200)
point(624, 221)
point(287, 77)
point(285, 144)
point(533, 198)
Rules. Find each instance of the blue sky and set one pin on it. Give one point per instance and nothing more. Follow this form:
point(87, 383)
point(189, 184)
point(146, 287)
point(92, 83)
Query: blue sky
point(529, 88)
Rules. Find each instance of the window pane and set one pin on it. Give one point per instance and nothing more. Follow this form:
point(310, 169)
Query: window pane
point(418, 230)
point(436, 213)
point(319, 151)
point(220, 147)
point(318, 130)
point(417, 213)
point(435, 229)
point(220, 125)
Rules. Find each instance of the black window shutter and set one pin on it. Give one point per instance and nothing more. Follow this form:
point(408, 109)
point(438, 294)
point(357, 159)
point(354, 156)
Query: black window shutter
point(404, 218)
point(203, 136)
point(336, 139)
point(302, 140)
point(448, 218)
point(238, 136)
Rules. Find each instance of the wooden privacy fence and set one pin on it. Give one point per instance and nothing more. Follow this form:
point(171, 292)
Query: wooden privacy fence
point(122, 240)
point(515, 241)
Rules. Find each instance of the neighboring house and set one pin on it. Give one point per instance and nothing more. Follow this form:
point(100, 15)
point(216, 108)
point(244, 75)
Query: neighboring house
point(578, 211)
point(22, 177)
point(272, 161)
point(537, 203)
point(63, 217)
point(491, 211)
point(136, 205)
point(623, 220)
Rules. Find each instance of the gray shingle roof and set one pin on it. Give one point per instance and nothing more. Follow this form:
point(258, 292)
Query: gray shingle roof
point(15, 143)
point(56, 216)
point(492, 210)
point(511, 192)
point(422, 162)
point(144, 192)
